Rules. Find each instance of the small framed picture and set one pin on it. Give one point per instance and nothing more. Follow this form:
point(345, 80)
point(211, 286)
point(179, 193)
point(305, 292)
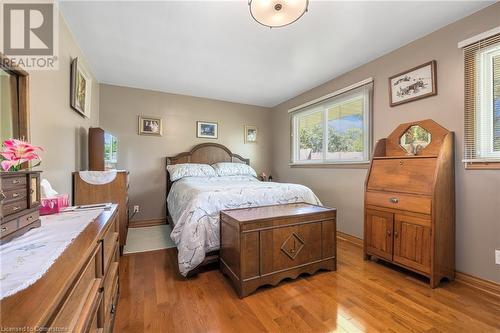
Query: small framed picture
point(150, 126)
point(250, 134)
point(207, 130)
point(416, 83)
point(80, 89)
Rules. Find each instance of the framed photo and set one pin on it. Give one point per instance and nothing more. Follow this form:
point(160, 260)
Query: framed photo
point(250, 134)
point(150, 126)
point(416, 83)
point(80, 89)
point(207, 130)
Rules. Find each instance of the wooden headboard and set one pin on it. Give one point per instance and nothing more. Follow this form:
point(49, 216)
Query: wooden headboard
point(205, 153)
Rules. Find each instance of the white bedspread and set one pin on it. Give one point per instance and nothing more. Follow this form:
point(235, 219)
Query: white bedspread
point(195, 203)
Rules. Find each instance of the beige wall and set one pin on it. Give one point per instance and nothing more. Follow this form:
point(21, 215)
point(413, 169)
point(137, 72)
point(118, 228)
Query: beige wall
point(478, 192)
point(144, 156)
point(54, 125)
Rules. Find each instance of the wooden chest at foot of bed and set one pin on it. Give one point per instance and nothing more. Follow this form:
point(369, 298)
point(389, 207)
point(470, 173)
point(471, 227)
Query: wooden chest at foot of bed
point(264, 245)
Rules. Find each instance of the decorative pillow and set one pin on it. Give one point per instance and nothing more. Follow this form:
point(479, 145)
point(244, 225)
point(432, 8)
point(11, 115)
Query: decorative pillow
point(233, 169)
point(178, 171)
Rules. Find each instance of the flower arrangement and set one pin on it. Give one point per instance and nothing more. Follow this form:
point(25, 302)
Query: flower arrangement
point(16, 152)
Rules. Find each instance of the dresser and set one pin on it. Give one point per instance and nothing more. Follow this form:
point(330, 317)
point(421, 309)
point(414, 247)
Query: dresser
point(115, 192)
point(19, 202)
point(264, 245)
point(79, 292)
point(410, 201)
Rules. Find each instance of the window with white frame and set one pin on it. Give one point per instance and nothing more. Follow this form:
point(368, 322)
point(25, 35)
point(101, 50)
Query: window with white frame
point(333, 129)
point(482, 103)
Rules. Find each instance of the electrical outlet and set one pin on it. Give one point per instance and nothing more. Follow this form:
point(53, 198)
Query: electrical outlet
point(497, 257)
point(136, 209)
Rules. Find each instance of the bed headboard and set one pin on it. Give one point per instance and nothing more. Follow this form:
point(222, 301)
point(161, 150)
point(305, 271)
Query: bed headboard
point(206, 153)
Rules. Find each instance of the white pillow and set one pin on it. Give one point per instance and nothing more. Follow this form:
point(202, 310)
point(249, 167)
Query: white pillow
point(233, 169)
point(178, 171)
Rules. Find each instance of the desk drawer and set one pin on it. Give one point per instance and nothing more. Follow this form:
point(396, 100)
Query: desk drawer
point(418, 204)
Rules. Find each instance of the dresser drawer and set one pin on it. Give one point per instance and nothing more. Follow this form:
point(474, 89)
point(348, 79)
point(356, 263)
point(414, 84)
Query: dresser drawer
point(28, 218)
point(418, 204)
point(10, 183)
point(80, 307)
point(15, 195)
point(403, 175)
point(109, 244)
point(110, 290)
point(14, 207)
point(8, 227)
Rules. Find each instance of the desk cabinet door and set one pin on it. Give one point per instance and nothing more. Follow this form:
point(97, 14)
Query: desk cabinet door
point(412, 242)
point(378, 233)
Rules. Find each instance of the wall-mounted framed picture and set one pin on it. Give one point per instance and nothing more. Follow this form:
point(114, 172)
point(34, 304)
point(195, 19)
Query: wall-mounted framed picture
point(80, 89)
point(150, 126)
point(416, 83)
point(207, 130)
point(251, 134)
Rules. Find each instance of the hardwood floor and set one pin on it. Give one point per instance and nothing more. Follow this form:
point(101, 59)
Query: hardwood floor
point(360, 297)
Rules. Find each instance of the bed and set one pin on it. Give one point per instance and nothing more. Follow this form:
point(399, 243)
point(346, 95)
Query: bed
point(194, 203)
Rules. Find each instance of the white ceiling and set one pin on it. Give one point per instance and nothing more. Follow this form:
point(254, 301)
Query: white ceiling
point(216, 50)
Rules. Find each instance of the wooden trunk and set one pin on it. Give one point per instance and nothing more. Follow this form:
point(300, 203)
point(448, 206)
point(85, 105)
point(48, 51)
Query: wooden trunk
point(264, 245)
point(19, 203)
point(410, 204)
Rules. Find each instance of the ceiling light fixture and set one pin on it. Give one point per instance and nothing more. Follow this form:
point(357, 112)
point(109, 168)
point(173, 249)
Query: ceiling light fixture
point(277, 13)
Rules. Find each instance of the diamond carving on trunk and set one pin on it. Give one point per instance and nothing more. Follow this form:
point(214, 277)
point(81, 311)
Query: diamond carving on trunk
point(292, 245)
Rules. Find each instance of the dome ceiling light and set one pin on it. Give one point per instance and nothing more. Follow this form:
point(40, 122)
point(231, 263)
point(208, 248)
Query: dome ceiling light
point(277, 13)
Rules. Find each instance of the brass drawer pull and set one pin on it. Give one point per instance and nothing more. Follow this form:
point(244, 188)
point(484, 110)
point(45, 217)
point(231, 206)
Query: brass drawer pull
point(2, 196)
point(4, 229)
point(14, 208)
point(388, 233)
point(395, 234)
point(15, 195)
point(394, 200)
point(16, 181)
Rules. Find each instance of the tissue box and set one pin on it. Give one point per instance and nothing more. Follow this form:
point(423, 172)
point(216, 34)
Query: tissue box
point(53, 205)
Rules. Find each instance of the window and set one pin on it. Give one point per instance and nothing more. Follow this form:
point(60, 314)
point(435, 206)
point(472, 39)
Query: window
point(334, 129)
point(482, 103)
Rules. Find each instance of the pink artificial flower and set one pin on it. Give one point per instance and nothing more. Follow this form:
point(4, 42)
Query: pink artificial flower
point(15, 152)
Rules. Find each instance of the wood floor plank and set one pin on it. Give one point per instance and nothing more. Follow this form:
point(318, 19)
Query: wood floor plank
point(362, 296)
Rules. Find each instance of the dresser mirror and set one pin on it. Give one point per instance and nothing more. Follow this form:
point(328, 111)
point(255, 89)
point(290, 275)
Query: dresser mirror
point(13, 101)
point(415, 139)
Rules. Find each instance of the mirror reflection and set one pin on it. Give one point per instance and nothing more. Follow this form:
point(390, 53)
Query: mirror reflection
point(415, 139)
point(9, 109)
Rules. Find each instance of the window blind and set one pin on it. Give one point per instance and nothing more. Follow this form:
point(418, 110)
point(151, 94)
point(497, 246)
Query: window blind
point(482, 100)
